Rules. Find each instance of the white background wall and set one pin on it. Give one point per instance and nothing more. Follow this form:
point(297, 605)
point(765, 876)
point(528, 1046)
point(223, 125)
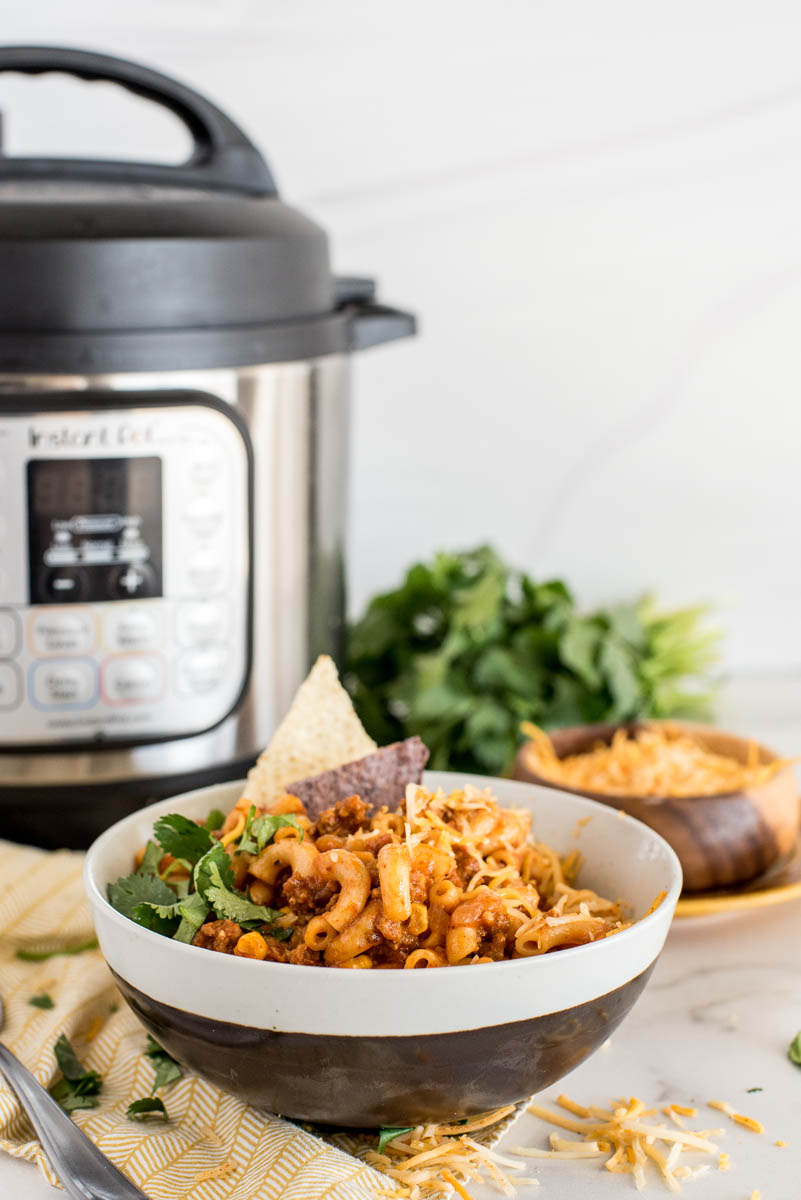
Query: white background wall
point(595, 208)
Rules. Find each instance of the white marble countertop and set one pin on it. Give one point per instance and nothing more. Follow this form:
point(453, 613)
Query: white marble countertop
point(715, 1020)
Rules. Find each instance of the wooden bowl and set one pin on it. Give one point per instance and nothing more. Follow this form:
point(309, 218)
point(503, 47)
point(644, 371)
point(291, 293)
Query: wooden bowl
point(720, 840)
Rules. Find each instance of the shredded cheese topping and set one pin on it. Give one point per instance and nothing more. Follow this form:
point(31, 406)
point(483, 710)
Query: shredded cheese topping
point(654, 760)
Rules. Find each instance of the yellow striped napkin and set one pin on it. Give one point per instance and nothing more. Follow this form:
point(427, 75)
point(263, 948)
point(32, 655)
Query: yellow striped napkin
point(42, 904)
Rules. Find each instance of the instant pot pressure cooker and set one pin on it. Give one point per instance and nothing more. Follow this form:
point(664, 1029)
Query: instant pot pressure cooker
point(174, 356)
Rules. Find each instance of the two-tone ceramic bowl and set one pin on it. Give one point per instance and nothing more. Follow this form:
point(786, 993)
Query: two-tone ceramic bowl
point(371, 1048)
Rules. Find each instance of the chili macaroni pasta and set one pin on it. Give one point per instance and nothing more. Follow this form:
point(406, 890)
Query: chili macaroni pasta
point(449, 880)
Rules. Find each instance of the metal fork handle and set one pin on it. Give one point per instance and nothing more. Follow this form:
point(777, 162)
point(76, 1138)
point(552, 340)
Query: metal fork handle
point(85, 1173)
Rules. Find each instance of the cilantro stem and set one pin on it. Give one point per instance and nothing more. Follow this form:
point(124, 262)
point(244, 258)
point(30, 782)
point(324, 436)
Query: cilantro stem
point(41, 955)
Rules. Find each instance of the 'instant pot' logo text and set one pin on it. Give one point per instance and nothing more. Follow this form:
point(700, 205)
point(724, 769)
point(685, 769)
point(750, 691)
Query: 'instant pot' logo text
point(90, 437)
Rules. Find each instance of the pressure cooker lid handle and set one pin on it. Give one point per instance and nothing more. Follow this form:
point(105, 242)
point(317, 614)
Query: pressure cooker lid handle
point(222, 158)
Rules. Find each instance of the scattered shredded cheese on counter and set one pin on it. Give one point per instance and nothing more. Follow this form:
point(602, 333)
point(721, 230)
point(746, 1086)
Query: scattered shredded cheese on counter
point(431, 1160)
point(627, 1138)
point(748, 1122)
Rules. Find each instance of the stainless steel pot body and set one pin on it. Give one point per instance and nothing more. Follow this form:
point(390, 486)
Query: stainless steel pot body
point(173, 561)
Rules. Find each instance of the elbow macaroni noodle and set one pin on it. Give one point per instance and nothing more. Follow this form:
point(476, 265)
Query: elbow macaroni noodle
point(449, 880)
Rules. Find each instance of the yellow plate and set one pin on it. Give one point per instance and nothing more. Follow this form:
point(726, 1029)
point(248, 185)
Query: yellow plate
point(779, 883)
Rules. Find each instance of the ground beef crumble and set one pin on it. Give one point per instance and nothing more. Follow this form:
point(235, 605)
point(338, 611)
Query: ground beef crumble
point(346, 816)
point(221, 936)
point(306, 894)
point(304, 957)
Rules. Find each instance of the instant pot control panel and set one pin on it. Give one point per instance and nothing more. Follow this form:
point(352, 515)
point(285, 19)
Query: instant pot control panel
point(125, 547)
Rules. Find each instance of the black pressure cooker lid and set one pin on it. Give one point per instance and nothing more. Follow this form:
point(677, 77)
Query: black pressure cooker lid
point(109, 266)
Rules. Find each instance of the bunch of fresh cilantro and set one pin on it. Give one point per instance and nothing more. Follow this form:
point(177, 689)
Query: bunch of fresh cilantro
point(467, 648)
point(176, 903)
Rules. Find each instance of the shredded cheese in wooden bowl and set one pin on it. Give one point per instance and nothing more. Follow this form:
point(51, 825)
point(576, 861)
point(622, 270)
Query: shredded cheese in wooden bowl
point(650, 760)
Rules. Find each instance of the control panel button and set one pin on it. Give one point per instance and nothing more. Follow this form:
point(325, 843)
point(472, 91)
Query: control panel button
point(132, 627)
point(205, 466)
point(65, 584)
point(202, 623)
point(201, 671)
point(203, 516)
point(10, 638)
point(206, 572)
point(132, 679)
point(60, 684)
point(10, 687)
point(133, 581)
point(63, 631)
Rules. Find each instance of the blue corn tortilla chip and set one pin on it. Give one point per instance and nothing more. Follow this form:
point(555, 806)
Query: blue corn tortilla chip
point(378, 778)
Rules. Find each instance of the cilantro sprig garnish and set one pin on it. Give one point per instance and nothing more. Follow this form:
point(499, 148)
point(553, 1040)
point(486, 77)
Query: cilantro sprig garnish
point(199, 883)
point(235, 906)
point(78, 1087)
point(182, 837)
point(259, 831)
point(133, 894)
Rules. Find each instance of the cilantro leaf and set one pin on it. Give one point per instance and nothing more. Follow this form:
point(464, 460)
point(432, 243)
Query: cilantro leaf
point(247, 842)
point(260, 831)
point(42, 955)
point(182, 837)
point(151, 1106)
point(69, 1098)
point(217, 856)
point(190, 911)
point(131, 893)
point(233, 905)
point(794, 1050)
point(166, 1068)
point(193, 910)
point(79, 1087)
point(43, 1000)
point(214, 821)
point(389, 1133)
point(146, 916)
point(280, 934)
point(150, 860)
point(180, 887)
point(71, 1067)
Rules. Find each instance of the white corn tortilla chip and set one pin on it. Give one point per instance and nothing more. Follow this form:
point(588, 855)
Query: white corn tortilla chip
point(320, 731)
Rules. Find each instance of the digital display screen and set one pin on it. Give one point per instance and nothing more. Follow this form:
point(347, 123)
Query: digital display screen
point(94, 529)
point(111, 485)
